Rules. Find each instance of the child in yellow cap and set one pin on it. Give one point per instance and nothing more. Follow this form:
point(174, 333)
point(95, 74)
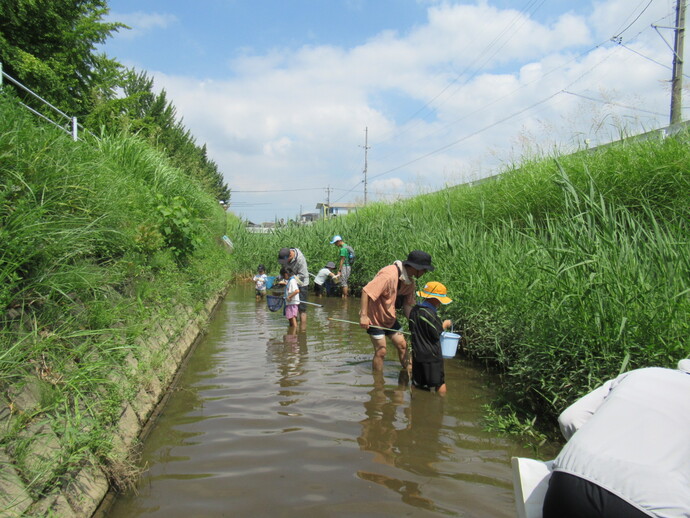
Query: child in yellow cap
point(426, 328)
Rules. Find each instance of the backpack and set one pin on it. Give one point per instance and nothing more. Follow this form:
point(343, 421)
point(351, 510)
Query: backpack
point(352, 257)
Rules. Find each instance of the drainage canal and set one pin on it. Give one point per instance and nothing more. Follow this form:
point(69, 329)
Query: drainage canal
point(266, 423)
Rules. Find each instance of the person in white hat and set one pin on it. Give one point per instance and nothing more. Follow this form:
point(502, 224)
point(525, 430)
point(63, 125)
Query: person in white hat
point(322, 278)
point(426, 328)
point(344, 266)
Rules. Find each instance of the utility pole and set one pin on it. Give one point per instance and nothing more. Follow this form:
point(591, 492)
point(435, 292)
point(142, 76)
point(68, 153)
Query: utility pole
point(366, 147)
point(677, 80)
point(328, 203)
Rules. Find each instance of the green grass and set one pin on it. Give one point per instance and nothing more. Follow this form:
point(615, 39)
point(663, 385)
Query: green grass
point(100, 239)
point(564, 271)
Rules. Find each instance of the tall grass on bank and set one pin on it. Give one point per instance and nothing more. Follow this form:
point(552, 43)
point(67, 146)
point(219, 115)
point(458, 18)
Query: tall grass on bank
point(98, 238)
point(564, 271)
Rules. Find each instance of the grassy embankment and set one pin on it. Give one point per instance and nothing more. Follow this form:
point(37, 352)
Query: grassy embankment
point(99, 239)
point(564, 272)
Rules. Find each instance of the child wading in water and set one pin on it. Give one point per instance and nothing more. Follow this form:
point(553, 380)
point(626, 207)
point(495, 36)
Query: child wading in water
point(260, 278)
point(322, 278)
point(291, 296)
point(426, 328)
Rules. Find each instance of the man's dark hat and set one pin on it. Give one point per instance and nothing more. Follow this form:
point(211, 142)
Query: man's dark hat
point(419, 260)
point(284, 256)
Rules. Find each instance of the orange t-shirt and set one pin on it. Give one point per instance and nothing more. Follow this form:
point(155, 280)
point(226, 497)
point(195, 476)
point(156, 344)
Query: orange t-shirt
point(382, 291)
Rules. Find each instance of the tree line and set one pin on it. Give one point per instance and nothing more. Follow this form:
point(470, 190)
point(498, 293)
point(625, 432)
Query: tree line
point(51, 47)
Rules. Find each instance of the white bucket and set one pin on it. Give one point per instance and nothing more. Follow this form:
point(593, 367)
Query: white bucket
point(449, 344)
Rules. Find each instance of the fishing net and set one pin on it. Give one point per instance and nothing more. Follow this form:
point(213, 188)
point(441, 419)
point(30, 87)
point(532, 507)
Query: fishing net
point(274, 302)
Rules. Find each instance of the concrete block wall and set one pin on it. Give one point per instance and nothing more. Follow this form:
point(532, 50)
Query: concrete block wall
point(164, 350)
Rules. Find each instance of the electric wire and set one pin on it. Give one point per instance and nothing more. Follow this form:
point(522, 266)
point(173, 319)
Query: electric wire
point(541, 78)
point(509, 117)
point(611, 103)
point(481, 130)
point(465, 137)
point(513, 115)
point(468, 68)
point(619, 33)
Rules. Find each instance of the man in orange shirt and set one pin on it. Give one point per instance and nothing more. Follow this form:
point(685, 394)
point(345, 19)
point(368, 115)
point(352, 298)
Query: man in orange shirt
point(395, 282)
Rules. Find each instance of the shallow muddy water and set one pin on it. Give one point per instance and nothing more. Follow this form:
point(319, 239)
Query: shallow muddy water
point(266, 423)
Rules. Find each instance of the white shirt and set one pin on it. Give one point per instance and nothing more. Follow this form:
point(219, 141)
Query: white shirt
point(261, 281)
point(321, 277)
point(292, 286)
point(631, 436)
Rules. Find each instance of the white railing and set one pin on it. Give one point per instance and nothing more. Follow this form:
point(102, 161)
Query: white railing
point(71, 127)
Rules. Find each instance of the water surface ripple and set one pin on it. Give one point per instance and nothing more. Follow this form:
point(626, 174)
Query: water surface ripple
point(266, 423)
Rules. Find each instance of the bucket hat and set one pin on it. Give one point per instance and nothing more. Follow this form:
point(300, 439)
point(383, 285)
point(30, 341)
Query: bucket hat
point(330, 265)
point(419, 260)
point(435, 290)
point(336, 239)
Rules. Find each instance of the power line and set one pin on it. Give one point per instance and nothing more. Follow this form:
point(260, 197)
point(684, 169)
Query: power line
point(617, 39)
point(618, 35)
point(516, 114)
point(443, 148)
point(468, 68)
point(603, 101)
point(494, 123)
point(513, 92)
point(281, 190)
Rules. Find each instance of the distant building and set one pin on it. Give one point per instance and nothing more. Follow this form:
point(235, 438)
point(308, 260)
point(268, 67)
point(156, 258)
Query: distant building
point(263, 228)
point(337, 209)
point(309, 217)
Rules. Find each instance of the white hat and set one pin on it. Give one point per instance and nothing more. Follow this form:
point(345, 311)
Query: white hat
point(336, 239)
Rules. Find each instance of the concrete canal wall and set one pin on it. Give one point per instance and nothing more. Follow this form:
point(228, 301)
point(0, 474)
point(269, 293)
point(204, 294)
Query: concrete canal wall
point(165, 345)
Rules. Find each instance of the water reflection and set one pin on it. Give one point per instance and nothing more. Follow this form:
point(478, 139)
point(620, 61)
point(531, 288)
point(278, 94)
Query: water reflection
point(289, 353)
point(379, 432)
point(267, 422)
point(403, 431)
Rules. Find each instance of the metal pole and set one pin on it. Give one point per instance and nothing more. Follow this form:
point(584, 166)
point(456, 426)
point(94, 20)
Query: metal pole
point(75, 129)
point(375, 327)
point(0, 73)
point(677, 81)
point(366, 147)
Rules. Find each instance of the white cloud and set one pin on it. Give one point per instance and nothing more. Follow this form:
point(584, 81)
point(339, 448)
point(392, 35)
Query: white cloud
point(471, 87)
point(140, 23)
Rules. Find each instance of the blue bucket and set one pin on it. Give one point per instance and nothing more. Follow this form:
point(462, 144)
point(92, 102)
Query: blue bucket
point(270, 280)
point(449, 344)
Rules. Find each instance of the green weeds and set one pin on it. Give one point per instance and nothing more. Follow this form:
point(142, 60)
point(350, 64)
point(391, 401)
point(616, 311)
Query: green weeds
point(563, 271)
point(99, 239)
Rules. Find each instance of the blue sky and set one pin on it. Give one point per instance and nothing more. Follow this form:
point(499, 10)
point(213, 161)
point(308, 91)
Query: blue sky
point(281, 92)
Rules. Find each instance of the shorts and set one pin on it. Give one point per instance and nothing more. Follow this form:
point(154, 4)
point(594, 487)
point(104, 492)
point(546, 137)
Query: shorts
point(303, 290)
point(427, 375)
point(291, 311)
point(319, 289)
point(345, 274)
point(377, 333)
point(261, 293)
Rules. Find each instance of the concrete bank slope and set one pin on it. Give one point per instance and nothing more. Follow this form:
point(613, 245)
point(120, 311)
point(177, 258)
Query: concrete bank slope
point(162, 352)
